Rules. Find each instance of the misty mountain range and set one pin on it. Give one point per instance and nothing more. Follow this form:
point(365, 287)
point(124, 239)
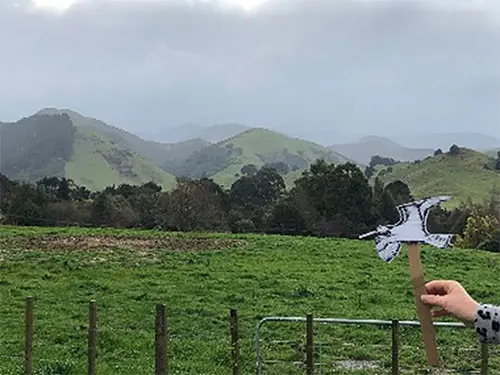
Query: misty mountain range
point(94, 154)
point(333, 138)
point(403, 147)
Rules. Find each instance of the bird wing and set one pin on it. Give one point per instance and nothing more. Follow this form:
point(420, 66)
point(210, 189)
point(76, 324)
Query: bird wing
point(387, 248)
point(420, 207)
point(427, 204)
point(403, 213)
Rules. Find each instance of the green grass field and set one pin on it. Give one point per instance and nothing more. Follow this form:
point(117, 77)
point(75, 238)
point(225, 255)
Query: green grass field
point(200, 277)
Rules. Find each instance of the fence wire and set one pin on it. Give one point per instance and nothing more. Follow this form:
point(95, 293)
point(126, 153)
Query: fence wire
point(346, 346)
point(231, 344)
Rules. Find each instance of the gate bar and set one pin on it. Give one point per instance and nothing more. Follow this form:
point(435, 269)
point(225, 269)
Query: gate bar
point(407, 323)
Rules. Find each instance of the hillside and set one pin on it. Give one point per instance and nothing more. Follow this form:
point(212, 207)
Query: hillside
point(97, 162)
point(200, 277)
point(362, 150)
point(463, 176)
point(45, 145)
point(156, 152)
point(223, 161)
point(36, 146)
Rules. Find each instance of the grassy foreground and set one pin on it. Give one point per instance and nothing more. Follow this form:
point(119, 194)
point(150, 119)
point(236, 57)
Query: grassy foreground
point(200, 277)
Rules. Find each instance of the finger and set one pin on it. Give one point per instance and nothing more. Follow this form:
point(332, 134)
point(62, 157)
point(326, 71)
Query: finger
point(439, 287)
point(439, 313)
point(433, 299)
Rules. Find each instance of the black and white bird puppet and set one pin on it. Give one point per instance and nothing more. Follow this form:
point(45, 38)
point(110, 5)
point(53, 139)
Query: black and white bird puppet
point(411, 228)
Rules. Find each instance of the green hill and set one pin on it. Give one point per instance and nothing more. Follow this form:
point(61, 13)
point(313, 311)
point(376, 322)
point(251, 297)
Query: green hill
point(45, 145)
point(97, 162)
point(158, 153)
point(35, 147)
point(470, 174)
point(224, 161)
point(365, 148)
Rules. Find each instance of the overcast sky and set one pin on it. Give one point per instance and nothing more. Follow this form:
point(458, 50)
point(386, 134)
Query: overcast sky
point(358, 66)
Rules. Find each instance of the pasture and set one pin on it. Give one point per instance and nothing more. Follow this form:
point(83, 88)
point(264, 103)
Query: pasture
point(200, 277)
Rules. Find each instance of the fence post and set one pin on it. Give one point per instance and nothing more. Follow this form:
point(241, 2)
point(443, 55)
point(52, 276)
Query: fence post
point(484, 359)
point(310, 346)
point(92, 338)
point(161, 365)
point(395, 347)
point(235, 348)
point(28, 340)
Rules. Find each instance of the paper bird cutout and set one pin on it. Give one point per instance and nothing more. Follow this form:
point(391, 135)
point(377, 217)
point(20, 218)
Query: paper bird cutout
point(411, 228)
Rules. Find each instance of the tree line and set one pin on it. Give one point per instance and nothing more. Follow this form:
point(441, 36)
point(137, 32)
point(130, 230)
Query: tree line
point(326, 200)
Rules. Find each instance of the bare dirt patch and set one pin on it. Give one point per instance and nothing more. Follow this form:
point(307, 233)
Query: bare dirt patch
point(97, 243)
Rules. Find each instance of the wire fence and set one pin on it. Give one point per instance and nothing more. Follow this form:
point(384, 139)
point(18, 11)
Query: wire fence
point(372, 347)
point(266, 346)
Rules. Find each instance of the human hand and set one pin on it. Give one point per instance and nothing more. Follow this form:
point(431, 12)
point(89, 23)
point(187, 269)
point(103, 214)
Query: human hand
point(452, 299)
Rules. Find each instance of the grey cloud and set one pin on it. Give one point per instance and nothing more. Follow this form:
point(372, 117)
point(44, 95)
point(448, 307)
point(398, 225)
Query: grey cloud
point(349, 66)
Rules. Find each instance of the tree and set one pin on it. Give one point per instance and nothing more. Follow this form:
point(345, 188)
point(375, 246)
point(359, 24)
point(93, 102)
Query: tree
point(113, 211)
point(279, 166)
point(259, 190)
point(497, 163)
point(378, 191)
point(147, 208)
point(314, 183)
point(394, 194)
point(270, 185)
point(286, 218)
point(27, 206)
point(481, 232)
point(59, 188)
point(341, 195)
point(369, 172)
point(249, 170)
point(380, 160)
point(454, 150)
point(197, 205)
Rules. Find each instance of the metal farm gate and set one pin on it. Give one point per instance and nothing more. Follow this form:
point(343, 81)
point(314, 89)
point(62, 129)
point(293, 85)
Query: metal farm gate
point(311, 350)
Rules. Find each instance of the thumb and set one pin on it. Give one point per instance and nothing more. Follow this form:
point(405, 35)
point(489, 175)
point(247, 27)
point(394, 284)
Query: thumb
point(432, 299)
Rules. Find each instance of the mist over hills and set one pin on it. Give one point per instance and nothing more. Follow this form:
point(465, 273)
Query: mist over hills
point(444, 140)
point(366, 147)
point(212, 133)
point(62, 142)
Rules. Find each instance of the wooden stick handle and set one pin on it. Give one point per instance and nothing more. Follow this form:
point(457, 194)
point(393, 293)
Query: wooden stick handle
point(423, 311)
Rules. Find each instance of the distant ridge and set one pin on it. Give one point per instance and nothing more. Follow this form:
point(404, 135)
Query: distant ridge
point(366, 147)
point(211, 134)
point(471, 140)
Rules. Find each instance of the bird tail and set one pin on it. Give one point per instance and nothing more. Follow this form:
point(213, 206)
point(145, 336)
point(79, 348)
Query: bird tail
point(439, 240)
